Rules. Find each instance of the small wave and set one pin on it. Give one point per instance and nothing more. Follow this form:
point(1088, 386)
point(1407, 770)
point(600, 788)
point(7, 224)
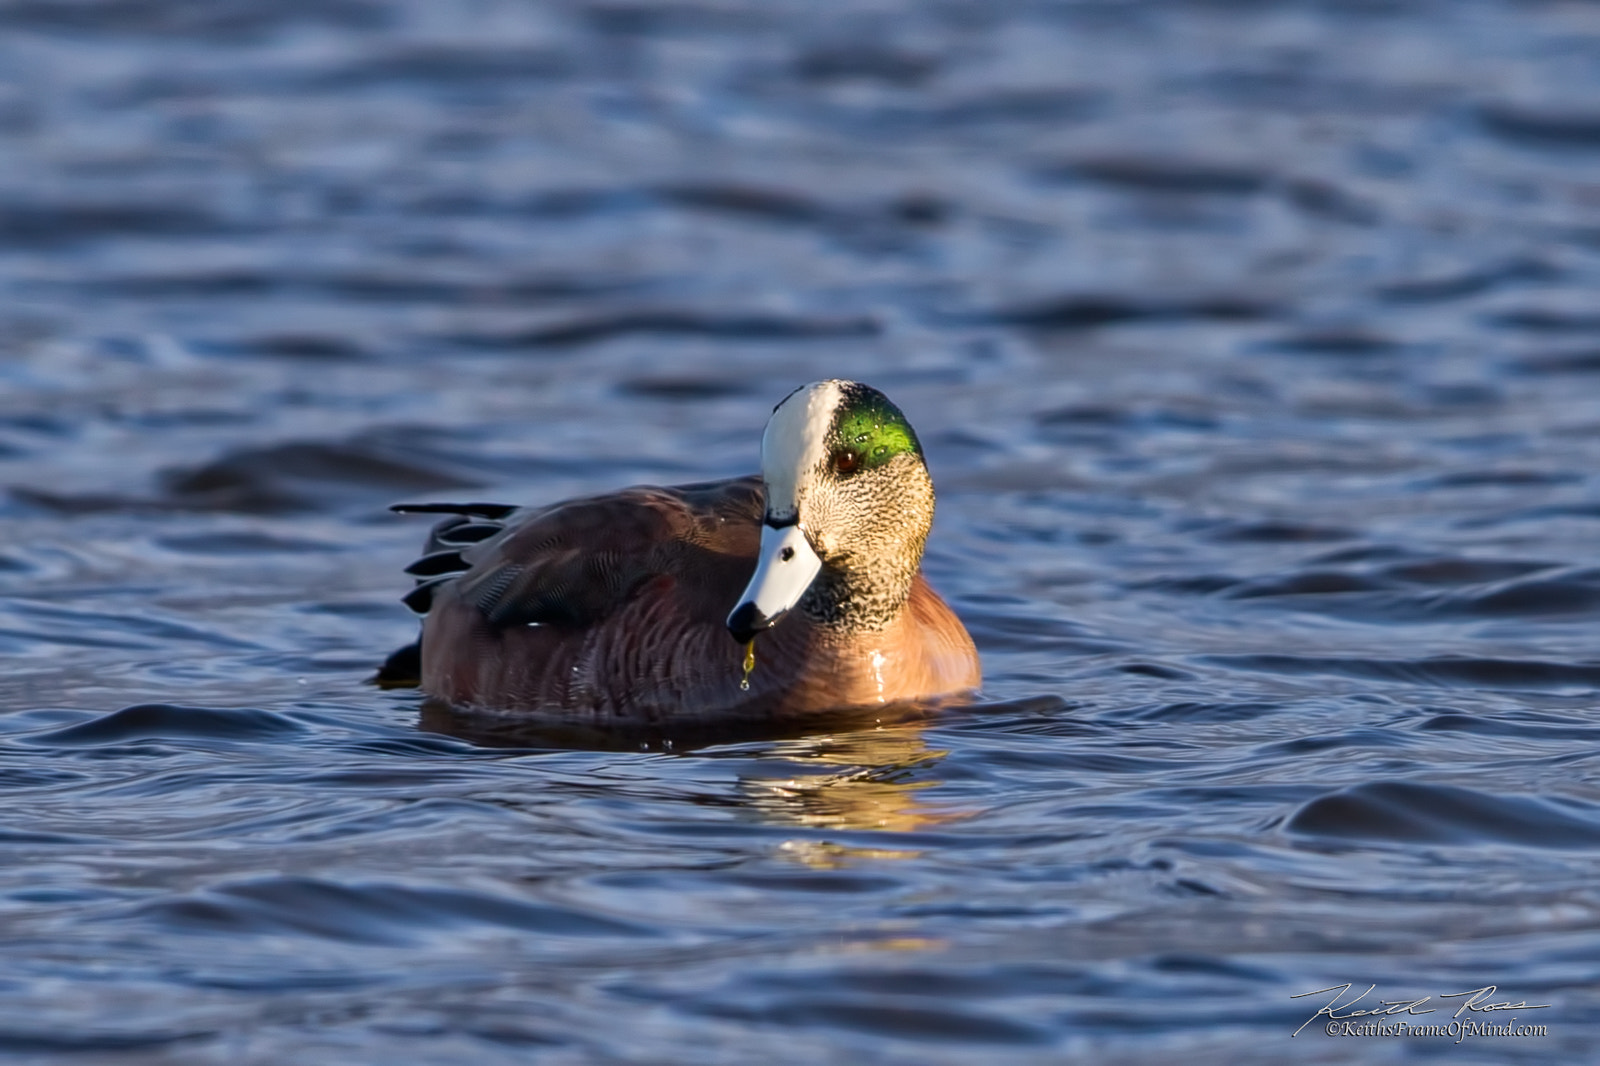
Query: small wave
point(1412, 812)
point(1198, 176)
point(1441, 288)
point(161, 721)
point(302, 474)
point(1546, 319)
point(995, 631)
point(447, 65)
point(683, 389)
point(1547, 127)
point(1344, 342)
point(1197, 712)
point(1094, 420)
point(1165, 174)
point(1415, 589)
point(865, 61)
point(244, 542)
point(367, 913)
point(1528, 727)
point(52, 1041)
point(591, 329)
point(1089, 309)
point(285, 478)
point(40, 224)
point(1545, 364)
point(375, 284)
point(890, 1017)
point(314, 347)
point(1445, 671)
point(1306, 583)
point(1275, 532)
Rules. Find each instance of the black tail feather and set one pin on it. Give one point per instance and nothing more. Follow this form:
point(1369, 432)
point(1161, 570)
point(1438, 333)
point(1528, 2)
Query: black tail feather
point(420, 598)
point(445, 562)
point(467, 532)
point(491, 511)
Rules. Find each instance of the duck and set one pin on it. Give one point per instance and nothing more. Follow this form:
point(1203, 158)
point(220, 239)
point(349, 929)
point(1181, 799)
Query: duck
point(794, 592)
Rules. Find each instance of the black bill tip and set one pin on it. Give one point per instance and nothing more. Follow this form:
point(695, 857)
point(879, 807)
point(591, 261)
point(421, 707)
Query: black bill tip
point(746, 621)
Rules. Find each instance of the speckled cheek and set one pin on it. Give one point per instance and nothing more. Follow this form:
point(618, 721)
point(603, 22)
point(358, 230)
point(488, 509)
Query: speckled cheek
point(817, 519)
point(825, 541)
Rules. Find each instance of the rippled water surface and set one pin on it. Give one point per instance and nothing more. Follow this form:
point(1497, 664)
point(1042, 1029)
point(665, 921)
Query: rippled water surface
point(1256, 350)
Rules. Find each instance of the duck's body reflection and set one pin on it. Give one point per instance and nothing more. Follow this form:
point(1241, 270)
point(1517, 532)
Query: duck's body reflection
point(874, 765)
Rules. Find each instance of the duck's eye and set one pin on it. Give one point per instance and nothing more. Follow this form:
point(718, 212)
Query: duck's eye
point(846, 461)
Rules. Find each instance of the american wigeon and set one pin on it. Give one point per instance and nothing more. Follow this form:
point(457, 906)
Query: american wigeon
point(645, 605)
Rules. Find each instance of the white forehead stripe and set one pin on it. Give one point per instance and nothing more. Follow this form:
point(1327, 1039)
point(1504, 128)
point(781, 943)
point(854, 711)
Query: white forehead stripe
point(794, 443)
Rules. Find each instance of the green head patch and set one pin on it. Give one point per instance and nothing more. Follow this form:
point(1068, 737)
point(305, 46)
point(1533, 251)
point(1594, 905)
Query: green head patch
point(868, 431)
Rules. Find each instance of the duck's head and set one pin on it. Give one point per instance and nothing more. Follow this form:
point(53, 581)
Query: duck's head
point(849, 505)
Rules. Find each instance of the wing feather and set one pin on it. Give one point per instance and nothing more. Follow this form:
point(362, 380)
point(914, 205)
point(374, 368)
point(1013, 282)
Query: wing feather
point(574, 563)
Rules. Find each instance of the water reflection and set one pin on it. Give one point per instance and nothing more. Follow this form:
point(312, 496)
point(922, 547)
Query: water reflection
point(857, 769)
point(873, 780)
point(562, 733)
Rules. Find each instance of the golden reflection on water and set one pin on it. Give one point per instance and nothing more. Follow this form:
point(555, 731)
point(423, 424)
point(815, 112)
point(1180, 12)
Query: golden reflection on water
point(878, 784)
point(868, 773)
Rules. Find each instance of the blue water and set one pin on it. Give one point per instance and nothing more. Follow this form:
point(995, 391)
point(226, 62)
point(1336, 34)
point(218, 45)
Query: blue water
point(1256, 352)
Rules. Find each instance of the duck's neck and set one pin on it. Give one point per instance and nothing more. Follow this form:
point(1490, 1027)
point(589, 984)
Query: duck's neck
point(850, 598)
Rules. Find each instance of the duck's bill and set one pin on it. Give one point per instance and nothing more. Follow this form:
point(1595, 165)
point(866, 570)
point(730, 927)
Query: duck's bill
point(784, 570)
